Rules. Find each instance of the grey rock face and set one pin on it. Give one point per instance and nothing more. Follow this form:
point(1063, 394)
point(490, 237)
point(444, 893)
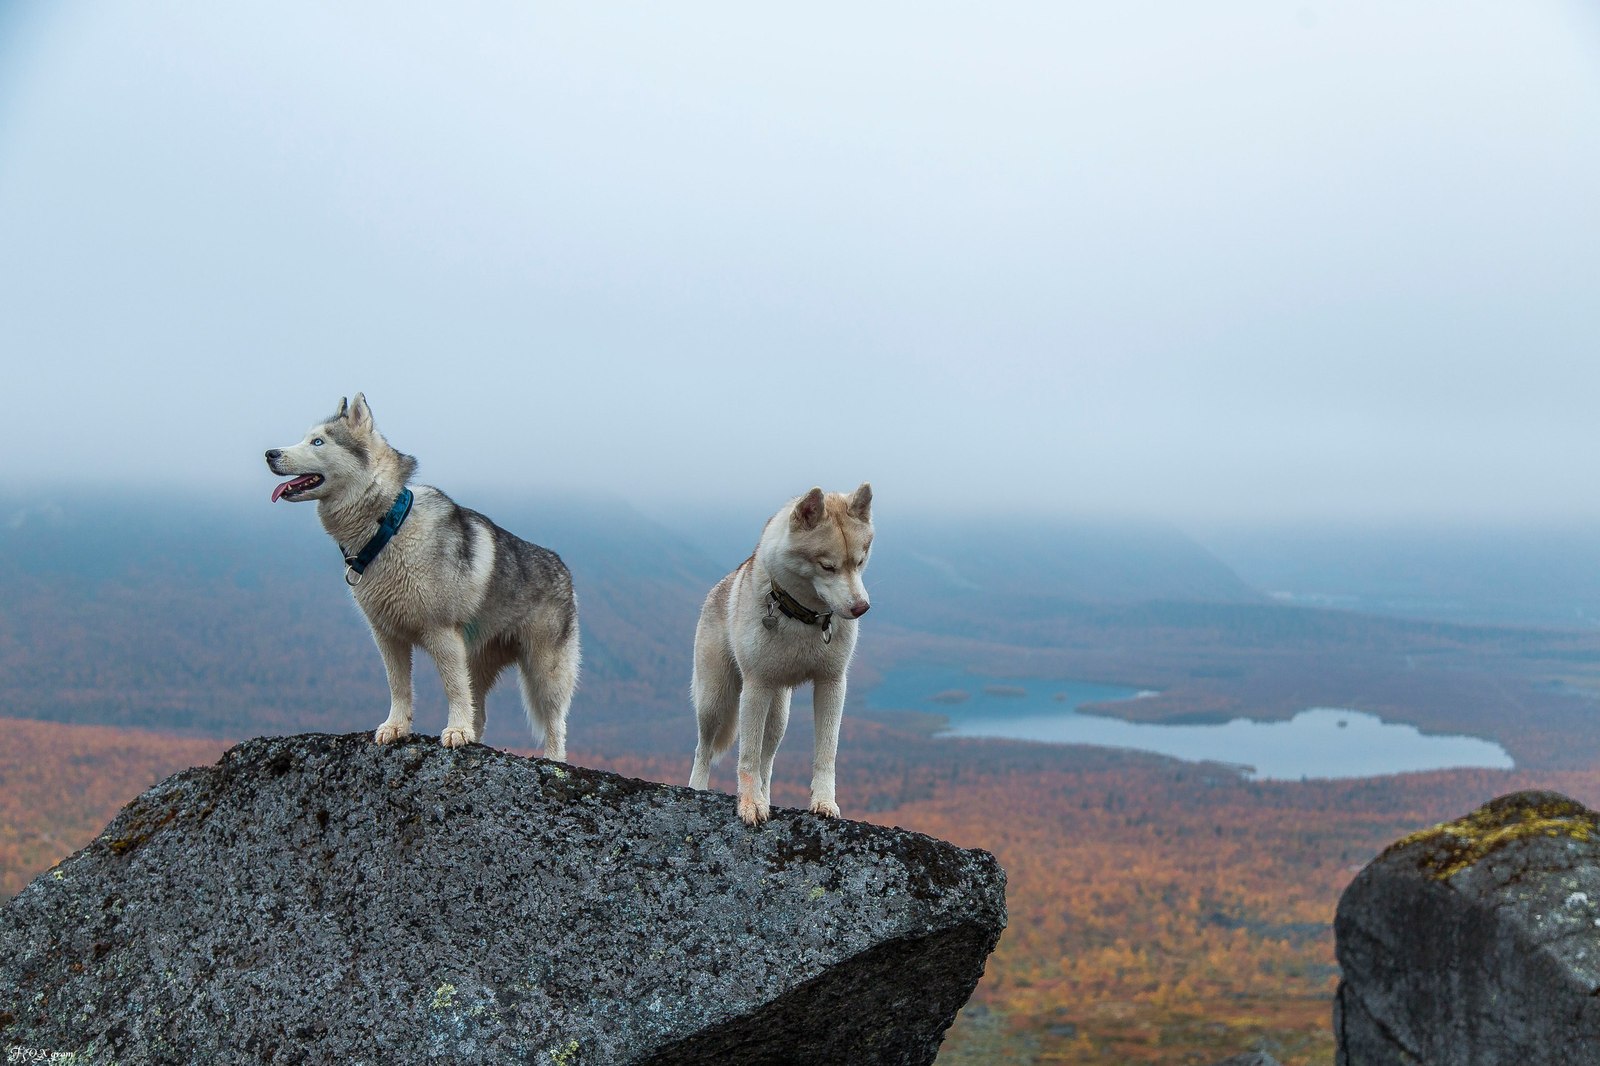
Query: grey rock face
point(1253, 1058)
point(325, 899)
point(1476, 942)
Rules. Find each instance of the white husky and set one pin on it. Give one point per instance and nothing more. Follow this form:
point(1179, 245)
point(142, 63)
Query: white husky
point(426, 571)
point(784, 617)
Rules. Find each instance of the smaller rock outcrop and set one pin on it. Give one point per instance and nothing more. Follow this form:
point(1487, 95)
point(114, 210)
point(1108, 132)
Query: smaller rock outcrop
point(327, 899)
point(1252, 1058)
point(1476, 942)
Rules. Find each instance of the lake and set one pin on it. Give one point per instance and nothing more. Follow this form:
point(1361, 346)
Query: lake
point(1317, 742)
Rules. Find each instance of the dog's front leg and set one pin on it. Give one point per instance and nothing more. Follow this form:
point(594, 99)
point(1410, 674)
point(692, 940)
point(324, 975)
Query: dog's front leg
point(449, 651)
point(397, 664)
point(827, 698)
point(754, 703)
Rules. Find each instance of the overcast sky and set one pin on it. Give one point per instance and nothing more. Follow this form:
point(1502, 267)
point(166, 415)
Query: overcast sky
point(1251, 259)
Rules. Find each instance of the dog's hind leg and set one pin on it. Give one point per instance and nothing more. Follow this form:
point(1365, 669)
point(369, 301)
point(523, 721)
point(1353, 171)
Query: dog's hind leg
point(397, 664)
point(549, 675)
point(449, 653)
point(485, 667)
point(715, 691)
point(771, 737)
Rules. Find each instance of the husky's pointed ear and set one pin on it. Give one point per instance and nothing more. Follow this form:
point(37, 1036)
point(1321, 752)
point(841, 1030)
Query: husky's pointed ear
point(861, 502)
point(360, 415)
point(808, 512)
point(344, 409)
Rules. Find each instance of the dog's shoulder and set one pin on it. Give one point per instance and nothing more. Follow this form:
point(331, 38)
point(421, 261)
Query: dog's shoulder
point(437, 508)
point(429, 502)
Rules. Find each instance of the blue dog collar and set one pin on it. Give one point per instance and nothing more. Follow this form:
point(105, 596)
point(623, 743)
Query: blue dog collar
point(388, 526)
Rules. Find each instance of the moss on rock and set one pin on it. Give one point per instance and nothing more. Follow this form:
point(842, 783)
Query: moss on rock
point(1446, 849)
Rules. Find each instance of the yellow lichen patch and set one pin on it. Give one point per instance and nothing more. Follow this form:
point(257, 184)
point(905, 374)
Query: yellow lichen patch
point(1451, 847)
point(140, 829)
point(444, 997)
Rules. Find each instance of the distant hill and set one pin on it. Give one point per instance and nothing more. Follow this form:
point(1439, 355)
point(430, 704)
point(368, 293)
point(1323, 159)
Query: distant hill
point(1503, 575)
point(1033, 565)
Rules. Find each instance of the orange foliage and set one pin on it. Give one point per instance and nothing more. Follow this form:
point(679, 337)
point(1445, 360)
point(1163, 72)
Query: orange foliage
point(60, 785)
point(1167, 915)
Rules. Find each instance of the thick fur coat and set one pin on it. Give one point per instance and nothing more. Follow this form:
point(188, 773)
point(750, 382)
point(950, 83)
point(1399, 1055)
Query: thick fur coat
point(475, 597)
point(755, 645)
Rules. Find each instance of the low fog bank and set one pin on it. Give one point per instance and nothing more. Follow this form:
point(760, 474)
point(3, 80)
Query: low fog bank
point(1532, 574)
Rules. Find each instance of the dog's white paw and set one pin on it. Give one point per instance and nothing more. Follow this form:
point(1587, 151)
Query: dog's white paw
point(753, 811)
point(390, 731)
point(826, 808)
point(455, 737)
point(753, 807)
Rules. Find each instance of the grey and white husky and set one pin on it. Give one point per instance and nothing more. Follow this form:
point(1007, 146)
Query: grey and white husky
point(476, 597)
point(786, 616)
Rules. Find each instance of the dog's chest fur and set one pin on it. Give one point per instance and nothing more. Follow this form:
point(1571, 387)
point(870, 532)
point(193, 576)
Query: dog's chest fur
point(789, 654)
point(433, 573)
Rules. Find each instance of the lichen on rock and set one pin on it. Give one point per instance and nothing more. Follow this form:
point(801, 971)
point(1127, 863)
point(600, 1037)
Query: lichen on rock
point(1448, 848)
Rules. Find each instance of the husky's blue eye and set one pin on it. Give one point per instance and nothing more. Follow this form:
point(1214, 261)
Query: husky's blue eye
point(316, 442)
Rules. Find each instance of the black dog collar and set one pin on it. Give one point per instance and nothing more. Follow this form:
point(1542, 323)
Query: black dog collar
point(793, 608)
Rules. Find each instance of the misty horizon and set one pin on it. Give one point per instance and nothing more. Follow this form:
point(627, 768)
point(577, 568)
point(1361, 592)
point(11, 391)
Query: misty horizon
point(696, 505)
point(1542, 575)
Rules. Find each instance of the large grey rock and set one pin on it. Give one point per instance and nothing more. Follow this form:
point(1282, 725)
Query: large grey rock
point(324, 899)
point(1476, 942)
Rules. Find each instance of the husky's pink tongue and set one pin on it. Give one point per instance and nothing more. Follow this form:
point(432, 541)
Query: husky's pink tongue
point(298, 483)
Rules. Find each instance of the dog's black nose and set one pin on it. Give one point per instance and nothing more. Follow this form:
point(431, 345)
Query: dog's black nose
point(273, 454)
